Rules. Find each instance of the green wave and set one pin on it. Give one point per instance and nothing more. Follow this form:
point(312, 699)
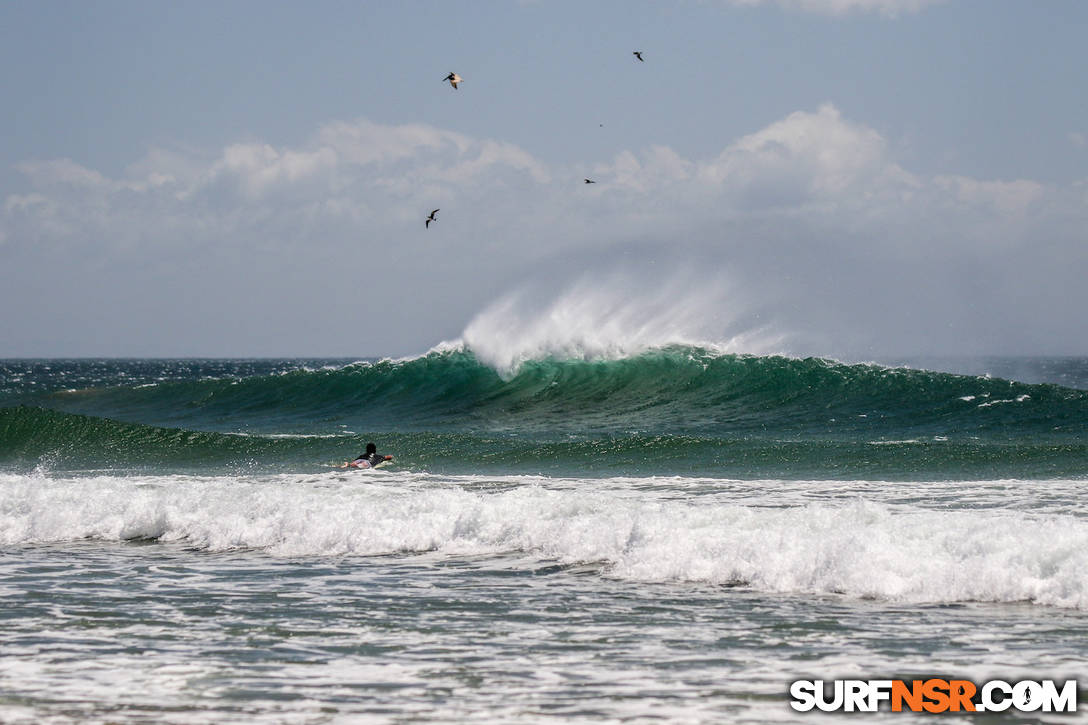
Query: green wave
point(671, 411)
point(39, 438)
point(674, 391)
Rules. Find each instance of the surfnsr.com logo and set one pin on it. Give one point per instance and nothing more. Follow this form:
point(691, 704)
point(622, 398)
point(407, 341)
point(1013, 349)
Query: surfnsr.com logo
point(933, 695)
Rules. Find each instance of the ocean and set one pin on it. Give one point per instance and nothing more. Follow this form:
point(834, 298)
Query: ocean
point(671, 535)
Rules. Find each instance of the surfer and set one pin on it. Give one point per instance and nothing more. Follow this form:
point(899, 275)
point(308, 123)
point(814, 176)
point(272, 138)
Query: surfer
point(370, 459)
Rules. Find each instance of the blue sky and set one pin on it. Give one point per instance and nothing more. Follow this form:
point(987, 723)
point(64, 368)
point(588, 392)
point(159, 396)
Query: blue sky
point(855, 178)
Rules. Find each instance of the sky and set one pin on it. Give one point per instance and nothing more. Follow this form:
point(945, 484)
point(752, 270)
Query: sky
point(858, 179)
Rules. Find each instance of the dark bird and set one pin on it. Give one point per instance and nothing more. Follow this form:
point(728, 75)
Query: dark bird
point(453, 78)
point(638, 54)
point(590, 181)
point(427, 224)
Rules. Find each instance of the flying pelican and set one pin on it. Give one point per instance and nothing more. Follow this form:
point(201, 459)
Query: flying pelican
point(638, 54)
point(453, 78)
point(427, 224)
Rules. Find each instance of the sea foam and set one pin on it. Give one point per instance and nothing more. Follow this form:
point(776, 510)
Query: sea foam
point(854, 547)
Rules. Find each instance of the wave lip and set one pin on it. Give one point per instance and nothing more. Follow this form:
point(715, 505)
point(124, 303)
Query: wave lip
point(617, 316)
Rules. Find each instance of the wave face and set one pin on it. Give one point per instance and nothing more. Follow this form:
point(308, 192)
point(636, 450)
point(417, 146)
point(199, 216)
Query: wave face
point(680, 409)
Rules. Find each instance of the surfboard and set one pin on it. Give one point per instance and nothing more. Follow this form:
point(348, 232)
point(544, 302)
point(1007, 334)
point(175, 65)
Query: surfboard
point(367, 467)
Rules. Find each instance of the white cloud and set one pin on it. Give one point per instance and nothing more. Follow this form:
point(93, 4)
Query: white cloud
point(364, 142)
point(890, 8)
point(813, 213)
point(57, 173)
point(24, 202)
point(345, 158)
point(1008, 198)
point(384, 173)
point(63, 172)
point(259, 167)
point(1078, 139)
point(482, 158)
point(806, 159)
point(807, 156)
point(656, 167)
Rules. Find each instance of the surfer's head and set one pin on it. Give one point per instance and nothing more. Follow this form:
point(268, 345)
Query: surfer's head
point(371, 448)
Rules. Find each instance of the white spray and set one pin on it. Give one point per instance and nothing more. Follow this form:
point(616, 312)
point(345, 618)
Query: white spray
point(604, 317)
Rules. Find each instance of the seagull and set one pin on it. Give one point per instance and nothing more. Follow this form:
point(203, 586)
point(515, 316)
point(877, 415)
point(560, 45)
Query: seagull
point(590, 181)
point(453, 78)
point(638, 54)
point(427, 224)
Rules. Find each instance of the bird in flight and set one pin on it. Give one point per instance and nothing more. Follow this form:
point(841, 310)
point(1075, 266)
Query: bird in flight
point(427, 224)
point(453, 78)
point(590, 181)
point(638, 54)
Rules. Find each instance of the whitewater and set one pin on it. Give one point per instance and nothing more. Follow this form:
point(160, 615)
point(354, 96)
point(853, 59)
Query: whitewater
point(592, 531)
